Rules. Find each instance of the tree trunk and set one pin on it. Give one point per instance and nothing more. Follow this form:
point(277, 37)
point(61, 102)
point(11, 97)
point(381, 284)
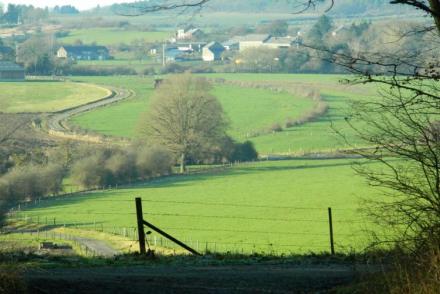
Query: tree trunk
point(182, 163)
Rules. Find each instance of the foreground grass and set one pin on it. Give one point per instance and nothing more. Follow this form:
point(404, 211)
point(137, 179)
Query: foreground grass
point(272, 207)
point(46, 96)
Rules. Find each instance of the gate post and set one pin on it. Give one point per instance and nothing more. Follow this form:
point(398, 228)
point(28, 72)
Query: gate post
point(140, 224)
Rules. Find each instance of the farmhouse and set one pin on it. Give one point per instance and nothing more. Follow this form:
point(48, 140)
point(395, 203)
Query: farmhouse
point(252, 41)
point(84, 52)
point(10, 71)
point(212, 51)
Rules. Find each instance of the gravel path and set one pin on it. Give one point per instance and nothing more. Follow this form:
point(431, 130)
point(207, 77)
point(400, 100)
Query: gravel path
point(98, 247)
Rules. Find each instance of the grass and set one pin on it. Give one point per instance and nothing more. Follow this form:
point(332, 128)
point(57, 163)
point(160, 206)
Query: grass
point(251, 110)
point(272, 207)
point(46, 96)
point(113, 36)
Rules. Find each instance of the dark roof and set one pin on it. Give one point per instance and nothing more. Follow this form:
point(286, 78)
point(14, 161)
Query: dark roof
point(5, 50)
point(10, 66)
point(215, 46)
point(84, 48)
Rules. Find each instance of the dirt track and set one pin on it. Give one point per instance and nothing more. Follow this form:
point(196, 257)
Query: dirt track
point(259, 278)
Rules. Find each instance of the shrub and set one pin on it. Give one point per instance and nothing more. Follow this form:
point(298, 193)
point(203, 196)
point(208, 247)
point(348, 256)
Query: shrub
point(110, 167)
point(154, 161)
point(276, 128)
point(91, 172)
point(123, 167)
point(244, 152)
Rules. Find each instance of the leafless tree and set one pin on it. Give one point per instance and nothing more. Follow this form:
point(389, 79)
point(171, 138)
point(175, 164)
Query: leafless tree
point(184, 117)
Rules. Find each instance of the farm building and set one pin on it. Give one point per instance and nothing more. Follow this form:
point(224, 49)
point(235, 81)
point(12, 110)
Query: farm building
point(84, 52)
point(232, 44)
point(279, 42)
point(212, 51)
point(252, 41)
point(10, 71)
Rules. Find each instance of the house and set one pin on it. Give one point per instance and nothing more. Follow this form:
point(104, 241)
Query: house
point(212, 51)
point(189, 34)
point(6, 53)
point(252, 41)
point(83, 52)
point(10, 71)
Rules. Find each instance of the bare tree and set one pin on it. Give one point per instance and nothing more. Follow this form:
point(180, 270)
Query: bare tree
point(184, 117)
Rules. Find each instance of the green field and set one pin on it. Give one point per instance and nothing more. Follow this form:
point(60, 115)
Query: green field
point(266, 206)
point(113, 36)
point(46, 96)
point(250, 111)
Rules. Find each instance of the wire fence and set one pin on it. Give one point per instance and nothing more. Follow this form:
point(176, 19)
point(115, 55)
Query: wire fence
point(208, 232)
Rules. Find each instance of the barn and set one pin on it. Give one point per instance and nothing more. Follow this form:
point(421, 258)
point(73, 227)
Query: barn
point(10, 71)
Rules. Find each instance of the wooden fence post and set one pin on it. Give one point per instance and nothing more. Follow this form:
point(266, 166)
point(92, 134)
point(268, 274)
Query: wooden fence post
point(330, 222)
point(140, 223)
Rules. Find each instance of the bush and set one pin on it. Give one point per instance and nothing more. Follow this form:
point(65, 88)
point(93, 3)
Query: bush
point(244, 152)
point(154, 161)
point(31, 182)
point(123, 167)
point(110, 167)
point(276, 128)
point(91, 172)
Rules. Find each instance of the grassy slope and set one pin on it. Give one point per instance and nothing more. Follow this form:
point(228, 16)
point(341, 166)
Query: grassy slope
point(46, 96)
point(113, 36)
point(248, 109)
point(270, 188)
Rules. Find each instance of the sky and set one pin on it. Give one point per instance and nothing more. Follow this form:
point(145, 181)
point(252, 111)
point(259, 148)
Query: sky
point(80, 4)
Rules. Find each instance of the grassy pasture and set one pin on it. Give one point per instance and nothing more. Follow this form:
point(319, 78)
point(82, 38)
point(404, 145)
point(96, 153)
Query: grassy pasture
point(265, 206)
point(248, 109)
point(113, 36)
point(251, 110)
point(46, 96)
